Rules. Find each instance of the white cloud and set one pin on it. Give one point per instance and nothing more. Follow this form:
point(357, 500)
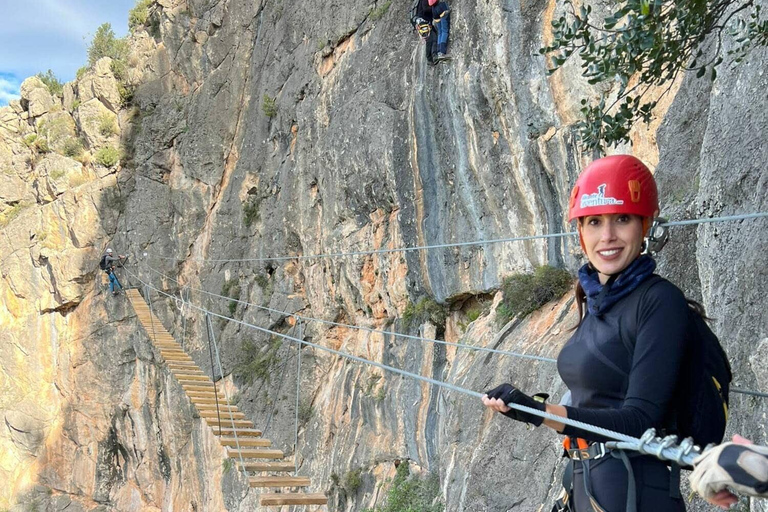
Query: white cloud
point(9, 90)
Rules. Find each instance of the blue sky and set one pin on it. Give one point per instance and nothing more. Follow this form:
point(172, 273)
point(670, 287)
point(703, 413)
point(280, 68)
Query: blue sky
point(37, 35)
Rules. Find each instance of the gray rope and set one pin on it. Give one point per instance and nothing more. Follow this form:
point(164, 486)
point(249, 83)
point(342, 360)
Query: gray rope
point(226, 394)
point(407, 336)
point(728, 218)
point(298, 390)
point(685, 453)
point(366, 329)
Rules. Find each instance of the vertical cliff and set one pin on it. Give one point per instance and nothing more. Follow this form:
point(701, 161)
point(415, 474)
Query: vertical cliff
point(261, 129)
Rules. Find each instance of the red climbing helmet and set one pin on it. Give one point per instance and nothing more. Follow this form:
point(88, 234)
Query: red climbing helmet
point(432, 2)
point(614, 184)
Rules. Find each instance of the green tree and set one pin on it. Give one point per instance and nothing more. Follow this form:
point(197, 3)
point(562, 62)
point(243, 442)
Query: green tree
point(645, 44)
point(138, 16)
point(53, 84)
point(105, 44)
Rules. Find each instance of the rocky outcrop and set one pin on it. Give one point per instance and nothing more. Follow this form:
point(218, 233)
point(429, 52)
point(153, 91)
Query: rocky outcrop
point(260, 130)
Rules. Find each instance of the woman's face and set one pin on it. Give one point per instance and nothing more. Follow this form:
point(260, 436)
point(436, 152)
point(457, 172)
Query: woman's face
point(612, 241)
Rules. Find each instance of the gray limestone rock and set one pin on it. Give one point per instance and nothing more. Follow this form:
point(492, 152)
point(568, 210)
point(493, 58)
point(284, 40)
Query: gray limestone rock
point(56, 173)
point(35, 97)
point(98, 124)
point(100, 83)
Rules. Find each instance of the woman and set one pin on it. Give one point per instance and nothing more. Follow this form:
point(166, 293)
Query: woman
point(624, 385)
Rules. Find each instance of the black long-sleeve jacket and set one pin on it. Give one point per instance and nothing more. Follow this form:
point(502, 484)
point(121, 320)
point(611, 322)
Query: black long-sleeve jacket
point(622, 384)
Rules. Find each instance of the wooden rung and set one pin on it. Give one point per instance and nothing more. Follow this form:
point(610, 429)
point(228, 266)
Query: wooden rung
point(222, 406)
point(245, 441)
point(225, 415)
point(188, 371)
point(198, 401)
point(188, 376)
point(206, 396)
point(254, 453)
point(213, 422)
point(241, 432)
point(272, 467)
point(206, 393)
point(276, 499)
point(279, 481)
point(196, 387)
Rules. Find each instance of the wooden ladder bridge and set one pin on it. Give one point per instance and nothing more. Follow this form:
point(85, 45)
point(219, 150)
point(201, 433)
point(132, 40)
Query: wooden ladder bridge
point(266, 466)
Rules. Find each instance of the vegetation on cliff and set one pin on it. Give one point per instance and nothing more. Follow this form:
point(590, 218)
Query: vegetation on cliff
point(525, 293)
point(646, 44)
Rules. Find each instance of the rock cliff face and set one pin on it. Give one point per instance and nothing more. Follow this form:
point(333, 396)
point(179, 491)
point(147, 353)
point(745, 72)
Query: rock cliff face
point(261, 129)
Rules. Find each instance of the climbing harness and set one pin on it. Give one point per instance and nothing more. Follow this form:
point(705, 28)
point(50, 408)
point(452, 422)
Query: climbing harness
point(423, 28)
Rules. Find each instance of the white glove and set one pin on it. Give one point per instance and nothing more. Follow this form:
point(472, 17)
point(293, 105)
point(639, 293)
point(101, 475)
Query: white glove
point(743, 468)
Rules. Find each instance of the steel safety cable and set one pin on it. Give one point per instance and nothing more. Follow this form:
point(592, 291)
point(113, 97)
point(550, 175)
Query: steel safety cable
point(366, 329)
point(704, 220)
point(567, 421)
point(732, 389)
point(296, 410)
point(226, 394)
point(663, 449)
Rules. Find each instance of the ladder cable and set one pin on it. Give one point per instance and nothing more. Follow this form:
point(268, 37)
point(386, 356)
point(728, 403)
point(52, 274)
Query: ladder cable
point(405, 336)
point(366, 329)
point(704, 220)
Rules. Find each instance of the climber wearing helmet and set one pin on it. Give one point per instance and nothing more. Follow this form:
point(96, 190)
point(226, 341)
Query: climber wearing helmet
point(107, 264)
point(626, 386)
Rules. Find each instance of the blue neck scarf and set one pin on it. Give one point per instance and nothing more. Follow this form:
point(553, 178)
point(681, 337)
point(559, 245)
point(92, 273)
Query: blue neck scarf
point(600, 300)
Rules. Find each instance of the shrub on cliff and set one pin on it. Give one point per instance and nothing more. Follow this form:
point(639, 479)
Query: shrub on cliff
point(525, 293)
point(269, 106)
point(256, 362)
point(55, 87)
point(138, 16)
point(425, 309)
point(105, 44)
point(409, 493)
point(107, 156)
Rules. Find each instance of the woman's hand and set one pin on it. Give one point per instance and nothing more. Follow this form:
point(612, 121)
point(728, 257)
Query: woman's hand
point(498, 398)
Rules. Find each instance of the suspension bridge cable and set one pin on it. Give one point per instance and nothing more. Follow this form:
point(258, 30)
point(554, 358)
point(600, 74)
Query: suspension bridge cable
point(664, 450)
point(727, 218)
point(209, 325)
point(366, 329)
point(406, 336)
point(574, 423)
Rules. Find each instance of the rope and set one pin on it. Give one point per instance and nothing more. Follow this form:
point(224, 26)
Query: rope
point(665, 450)
point(298, 390)
point(728, 218)
point(366, 329)
point(567, 421)
point(407, 336)
point(213, 373)
point(226, 395)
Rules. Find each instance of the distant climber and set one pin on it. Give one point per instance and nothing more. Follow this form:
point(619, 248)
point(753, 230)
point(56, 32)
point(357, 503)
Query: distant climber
point(441, 19)
point(107, 264)
point(421, 19)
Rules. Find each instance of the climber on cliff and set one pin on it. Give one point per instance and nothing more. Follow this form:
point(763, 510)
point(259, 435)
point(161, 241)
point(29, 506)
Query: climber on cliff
point(107, 264)
point(441, 15)
point(737, 466)
point(421, 19)
point(614, 203)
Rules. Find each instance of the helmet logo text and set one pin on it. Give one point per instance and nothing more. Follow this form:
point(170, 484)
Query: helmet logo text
point(598, 198)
